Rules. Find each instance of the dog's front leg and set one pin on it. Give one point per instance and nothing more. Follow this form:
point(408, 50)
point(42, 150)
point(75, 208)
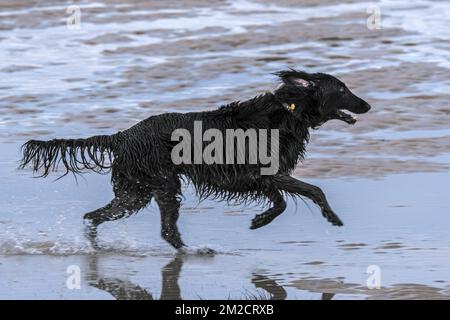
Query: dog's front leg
point(294, 186)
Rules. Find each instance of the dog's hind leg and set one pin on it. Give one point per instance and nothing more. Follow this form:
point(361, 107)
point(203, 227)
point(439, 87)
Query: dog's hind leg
point(297, 187)
point(168, 199)
point(125, 203)
point(279, 205)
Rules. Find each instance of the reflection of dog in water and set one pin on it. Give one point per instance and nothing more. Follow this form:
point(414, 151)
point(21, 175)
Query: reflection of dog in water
point(170, 289)
point(126, 290)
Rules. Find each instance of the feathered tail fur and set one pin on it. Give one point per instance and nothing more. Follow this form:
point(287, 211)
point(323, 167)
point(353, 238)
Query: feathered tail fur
point(75, 155)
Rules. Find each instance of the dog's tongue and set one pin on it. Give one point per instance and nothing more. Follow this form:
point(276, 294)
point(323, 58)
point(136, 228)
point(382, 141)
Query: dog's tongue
point(346, 117)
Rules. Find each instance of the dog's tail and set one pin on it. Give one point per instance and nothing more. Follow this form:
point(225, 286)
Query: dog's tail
point(94, 153)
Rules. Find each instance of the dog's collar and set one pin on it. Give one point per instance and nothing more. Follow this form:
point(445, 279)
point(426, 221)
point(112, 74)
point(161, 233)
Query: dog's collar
point(290, 107)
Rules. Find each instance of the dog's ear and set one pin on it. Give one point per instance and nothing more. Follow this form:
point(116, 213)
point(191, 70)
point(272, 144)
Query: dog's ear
point(297, 78)
point(302, 82)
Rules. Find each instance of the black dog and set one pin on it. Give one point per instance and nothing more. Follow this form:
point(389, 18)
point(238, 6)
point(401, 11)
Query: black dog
point(142, 167)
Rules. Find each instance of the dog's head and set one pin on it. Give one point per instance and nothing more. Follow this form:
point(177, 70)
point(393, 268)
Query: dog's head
point(320, 96)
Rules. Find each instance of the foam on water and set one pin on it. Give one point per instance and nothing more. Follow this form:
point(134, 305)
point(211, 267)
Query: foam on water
point(23, 246)
point(16, 245)
point(429, 18)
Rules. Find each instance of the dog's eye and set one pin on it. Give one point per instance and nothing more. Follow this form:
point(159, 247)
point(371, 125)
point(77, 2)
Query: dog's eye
point(341, 89)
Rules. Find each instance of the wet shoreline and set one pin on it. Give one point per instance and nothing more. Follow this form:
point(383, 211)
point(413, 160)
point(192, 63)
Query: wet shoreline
point(42, 225)
point(387, 176)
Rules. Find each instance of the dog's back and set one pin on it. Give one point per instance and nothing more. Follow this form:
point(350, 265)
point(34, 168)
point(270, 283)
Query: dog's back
point(146, 149)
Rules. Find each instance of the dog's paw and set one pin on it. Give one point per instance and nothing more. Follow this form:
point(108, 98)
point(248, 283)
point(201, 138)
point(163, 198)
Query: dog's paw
point(332, 218)
point(206, 251)
point(260, 220)
point(203, 251)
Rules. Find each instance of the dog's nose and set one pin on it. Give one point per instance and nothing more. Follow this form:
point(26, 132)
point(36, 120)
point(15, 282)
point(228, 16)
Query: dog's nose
point(367, 106)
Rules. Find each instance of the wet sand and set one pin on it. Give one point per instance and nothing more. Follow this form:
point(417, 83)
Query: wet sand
point(390, 223)
point(387, 176)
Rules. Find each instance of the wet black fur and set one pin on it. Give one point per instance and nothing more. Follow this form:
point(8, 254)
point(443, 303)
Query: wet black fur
point(140, 157)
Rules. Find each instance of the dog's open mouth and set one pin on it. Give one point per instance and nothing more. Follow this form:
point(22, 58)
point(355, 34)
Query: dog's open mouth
point(341, 115)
